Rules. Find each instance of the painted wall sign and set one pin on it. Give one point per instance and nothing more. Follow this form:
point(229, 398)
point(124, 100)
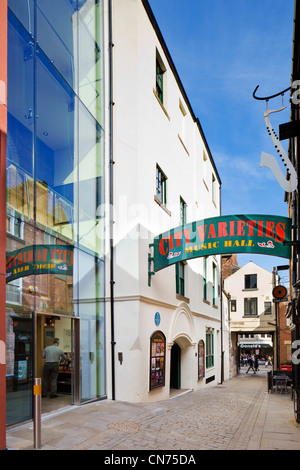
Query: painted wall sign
point(260, 234)
point(39, 259)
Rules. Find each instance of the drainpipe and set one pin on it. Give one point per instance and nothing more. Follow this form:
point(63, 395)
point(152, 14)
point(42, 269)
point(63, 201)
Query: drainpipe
point(221, 298)
point(222, 326)
point(111, 198)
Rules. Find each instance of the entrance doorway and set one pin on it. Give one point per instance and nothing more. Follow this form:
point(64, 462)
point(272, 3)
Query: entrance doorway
point(175, 372)
point(66, 329)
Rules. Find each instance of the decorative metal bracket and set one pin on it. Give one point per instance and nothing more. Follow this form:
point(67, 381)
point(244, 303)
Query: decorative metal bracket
point(289, 183)
point(267, 98)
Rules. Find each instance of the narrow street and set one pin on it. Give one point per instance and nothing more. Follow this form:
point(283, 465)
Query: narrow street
point(239, 414)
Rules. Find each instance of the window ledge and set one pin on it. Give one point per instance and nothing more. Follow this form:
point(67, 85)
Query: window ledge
point(249, 290)
point(205, 184)
point(206, 301)
point(161, 105)
point(15, 237)
point(183, 298)
point(162, 205)
point(181, 141)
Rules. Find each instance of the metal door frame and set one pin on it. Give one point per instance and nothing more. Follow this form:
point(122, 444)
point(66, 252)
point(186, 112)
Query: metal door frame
point(75, 349)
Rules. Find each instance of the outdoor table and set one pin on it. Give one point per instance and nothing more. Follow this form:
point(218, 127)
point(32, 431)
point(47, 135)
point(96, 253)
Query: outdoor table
point(281, 383)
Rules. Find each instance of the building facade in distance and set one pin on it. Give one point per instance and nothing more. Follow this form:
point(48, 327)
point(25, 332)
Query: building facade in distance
point(252, 311)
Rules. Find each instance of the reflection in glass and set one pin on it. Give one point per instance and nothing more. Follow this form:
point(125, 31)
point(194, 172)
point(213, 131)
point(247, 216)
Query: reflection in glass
point(92, 349)
point(90, 187)
point(56, 34)
point(24, 11)
point(55, 168)
point(90, 73)
point(20, 195)
point(54, 151)
point(20, 116)
point(18, 366)
point(91, 312)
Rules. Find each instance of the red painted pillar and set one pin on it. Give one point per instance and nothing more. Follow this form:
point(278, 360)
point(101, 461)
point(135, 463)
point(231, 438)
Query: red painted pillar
point(3, 133)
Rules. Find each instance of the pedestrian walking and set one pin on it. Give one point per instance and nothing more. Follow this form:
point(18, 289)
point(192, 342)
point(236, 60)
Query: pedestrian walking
point(251, 364)
point(267, 361)
point(256, 363)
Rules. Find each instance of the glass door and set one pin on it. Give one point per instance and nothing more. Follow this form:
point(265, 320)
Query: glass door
point(53, 333)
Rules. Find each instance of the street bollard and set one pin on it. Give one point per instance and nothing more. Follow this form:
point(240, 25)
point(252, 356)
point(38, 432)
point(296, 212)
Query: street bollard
point(37, 389)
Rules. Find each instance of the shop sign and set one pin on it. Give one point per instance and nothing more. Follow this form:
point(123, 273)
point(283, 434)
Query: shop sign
point(260, 234)
point(39, 259)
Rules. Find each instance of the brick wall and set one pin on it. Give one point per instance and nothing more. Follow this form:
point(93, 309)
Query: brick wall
point(229, 265)
point(284, 335)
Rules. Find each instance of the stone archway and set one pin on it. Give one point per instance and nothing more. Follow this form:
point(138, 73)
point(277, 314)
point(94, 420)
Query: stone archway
point(182, 348)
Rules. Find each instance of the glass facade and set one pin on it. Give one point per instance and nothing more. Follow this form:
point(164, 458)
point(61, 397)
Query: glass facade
point(55, 185)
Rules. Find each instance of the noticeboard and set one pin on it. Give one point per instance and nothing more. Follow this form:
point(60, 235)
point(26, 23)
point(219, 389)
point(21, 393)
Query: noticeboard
point(158, 359)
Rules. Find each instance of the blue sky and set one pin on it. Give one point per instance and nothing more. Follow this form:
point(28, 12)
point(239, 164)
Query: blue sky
point(222, 50)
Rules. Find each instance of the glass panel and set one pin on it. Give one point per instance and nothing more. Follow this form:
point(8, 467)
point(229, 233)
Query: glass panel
point(53, 264)
point(20, 302)
point(20, 194)
point(91, 314)
point(49, 330)
point(88, 354)
point(24, 11)
point(57, 34)
point(250, 281)
point(18, 366)
point(250, 306)
point(90, 191)
point(55, 151)
point(20, 99)
point(90, 73)
point(52, 139)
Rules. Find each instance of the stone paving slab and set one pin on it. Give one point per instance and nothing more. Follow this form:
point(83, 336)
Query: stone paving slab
point(238, 415)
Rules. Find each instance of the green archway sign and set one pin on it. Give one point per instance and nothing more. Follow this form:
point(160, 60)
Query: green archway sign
point(260, 234)
point(39, 259)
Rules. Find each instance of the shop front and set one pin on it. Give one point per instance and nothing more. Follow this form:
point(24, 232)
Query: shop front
point(41, 308)
point(55, 184)
point(262, 350)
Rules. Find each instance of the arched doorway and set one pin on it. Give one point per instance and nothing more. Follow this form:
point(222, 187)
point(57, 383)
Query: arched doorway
point(175, 371)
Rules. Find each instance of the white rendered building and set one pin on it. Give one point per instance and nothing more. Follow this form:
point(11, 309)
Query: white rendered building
point(164, 332)
point(252, 311)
